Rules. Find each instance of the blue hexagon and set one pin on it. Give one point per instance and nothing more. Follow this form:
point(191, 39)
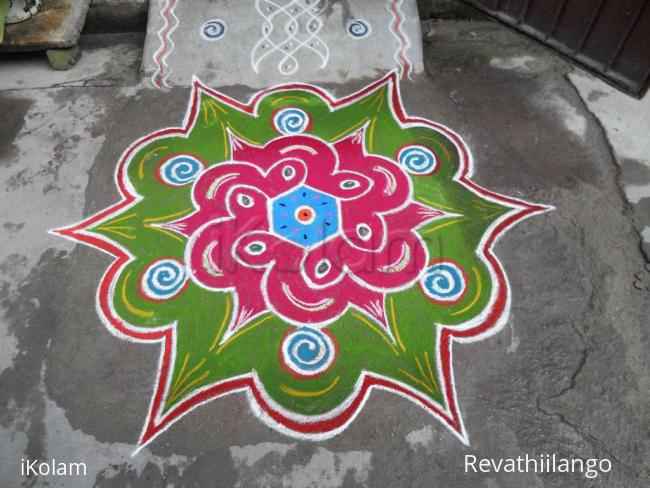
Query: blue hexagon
point(305, 216)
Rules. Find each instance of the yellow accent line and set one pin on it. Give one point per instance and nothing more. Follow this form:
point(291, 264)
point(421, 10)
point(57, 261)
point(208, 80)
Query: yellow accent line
point(216, 105)
point(376, 330)
point(224, 321)
point(441, 226)
point(180, 374)
point(241, 136)
point(151, 220)
point(288, 97)
point(145, 158)
point(121, 219)
point(391, 306)
point(369, 98)
point(213, 106)
point(424, 375)
point(189, 373)
point(371, 133)
point(376, 98)
point(188, 386)
point(491, 215)
point(117, 232)
point(170, 216)
point(224, 134)
point(298, 393)
point(349, 130)
point(129, 306)
point(204, 106)
point(244, 330)
point(164, 231)
point(380, 102)
point(431, 375)
point(219, 107)
point(479, 288)
point(415, 380)
point(117, 227)
point(485, 206)
point(439, 145)
point(438, 205)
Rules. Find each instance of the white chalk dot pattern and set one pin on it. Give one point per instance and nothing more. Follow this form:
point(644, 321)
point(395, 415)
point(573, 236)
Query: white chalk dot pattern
point(295, 27)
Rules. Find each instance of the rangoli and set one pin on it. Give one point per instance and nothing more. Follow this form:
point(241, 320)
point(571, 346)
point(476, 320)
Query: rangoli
point(304, 250)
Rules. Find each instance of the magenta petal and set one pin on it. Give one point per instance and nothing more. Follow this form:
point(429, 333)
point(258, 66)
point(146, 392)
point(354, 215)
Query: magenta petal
point(209, 258)
point(312, 151)
point(284, 175)
point(345, 185)
point(232, 246)
point(290, 296)
point(322, 265)
point(350, 149)
point(245, 152)
point(258, 249)
point(362, 227)
point(398, 264)
point(212, 187)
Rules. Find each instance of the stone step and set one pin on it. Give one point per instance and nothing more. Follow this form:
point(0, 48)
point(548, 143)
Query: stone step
point(259, 43)
point(112, 16)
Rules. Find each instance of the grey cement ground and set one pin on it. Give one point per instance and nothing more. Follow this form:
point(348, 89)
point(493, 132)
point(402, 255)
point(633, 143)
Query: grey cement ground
point(569, 375)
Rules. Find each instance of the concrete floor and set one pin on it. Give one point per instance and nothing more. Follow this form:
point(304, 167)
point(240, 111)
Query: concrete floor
point(569, 375)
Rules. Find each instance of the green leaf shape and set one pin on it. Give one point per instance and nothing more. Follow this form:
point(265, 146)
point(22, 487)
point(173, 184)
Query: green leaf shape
point(202, 361)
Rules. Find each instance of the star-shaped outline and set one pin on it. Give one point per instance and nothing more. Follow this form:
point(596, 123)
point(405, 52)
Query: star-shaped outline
point(490, 321)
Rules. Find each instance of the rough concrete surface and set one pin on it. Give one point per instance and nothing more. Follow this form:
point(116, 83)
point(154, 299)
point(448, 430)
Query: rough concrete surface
point(569, 375)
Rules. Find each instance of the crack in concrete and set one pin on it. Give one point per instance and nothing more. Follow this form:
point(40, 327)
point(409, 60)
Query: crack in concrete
point(592, 440)
point(628, 209)
point(69, 84)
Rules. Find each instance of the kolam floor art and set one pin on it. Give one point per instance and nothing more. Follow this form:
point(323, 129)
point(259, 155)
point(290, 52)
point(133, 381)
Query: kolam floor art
point(302, 250)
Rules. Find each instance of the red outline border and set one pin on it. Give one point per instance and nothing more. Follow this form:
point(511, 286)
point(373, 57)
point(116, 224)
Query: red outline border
point(449, 416)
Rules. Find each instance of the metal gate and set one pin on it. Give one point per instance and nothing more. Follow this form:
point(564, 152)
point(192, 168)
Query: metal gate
point(609, 37)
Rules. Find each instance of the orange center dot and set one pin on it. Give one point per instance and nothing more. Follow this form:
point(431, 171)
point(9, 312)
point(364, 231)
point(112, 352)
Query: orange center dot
point(305, 214)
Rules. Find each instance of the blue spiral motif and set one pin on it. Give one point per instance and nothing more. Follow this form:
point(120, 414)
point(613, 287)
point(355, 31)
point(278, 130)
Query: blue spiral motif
point(444, 282)
point(308, 351)
point(291, 121)
point(213, 30)
point(180, 170)
point(418, 160)
point(164, 279)
point(358, 29)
